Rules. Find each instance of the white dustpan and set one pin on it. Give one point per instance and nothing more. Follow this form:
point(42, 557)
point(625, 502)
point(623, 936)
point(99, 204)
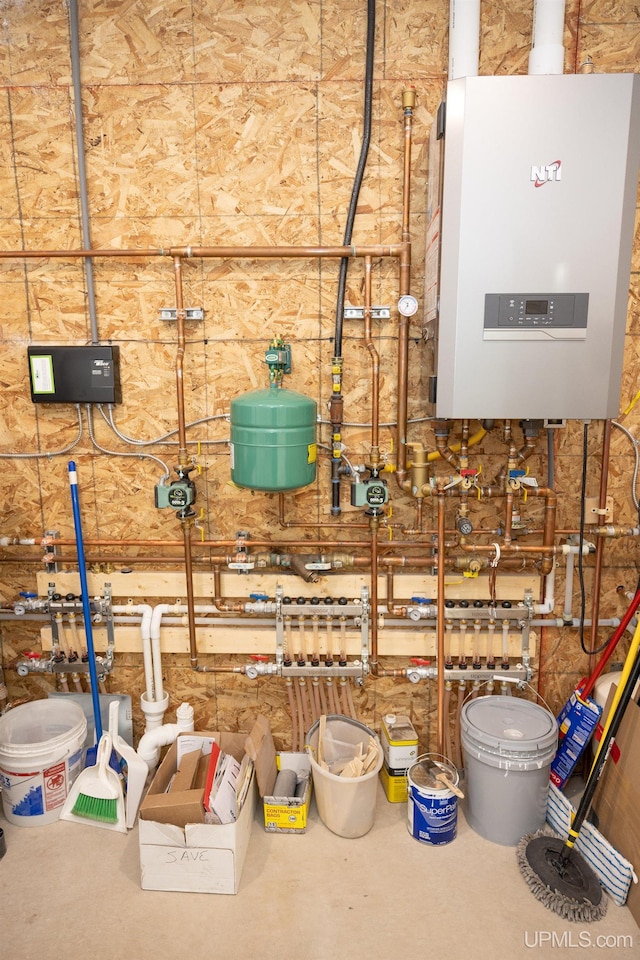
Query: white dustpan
point(135, 770)
point(99, 780)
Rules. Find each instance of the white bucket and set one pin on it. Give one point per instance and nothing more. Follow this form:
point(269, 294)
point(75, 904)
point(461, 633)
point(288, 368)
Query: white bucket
point(508, 746)
point(432, 808)
point(347, 805)
point(41, 748)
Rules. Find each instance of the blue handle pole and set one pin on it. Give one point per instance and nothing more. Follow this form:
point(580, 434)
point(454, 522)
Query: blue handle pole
point(84, 592)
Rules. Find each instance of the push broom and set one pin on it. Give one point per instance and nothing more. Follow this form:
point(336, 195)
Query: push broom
point(558, 875)
point(86, 610)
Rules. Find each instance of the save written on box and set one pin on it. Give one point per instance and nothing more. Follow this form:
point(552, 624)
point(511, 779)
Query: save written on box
point(179, 851)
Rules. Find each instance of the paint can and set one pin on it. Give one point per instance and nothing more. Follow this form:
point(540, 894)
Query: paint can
point(432, 807)
point(41, 754)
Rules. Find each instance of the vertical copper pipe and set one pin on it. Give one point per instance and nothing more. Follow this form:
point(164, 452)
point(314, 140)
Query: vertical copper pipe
point(182, 430)
point(549, 529)
point(374, 594)
point(602, 505)
point(188, 575)
point(375, 366)
point(408, 102)
point(217, 584)
point(440, 626)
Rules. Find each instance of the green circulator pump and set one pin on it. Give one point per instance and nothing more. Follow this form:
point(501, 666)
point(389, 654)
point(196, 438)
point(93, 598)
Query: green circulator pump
point(273, 432)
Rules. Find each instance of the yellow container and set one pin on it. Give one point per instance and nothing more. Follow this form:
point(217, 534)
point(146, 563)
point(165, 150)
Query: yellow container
point(290, 816)
point(395, 784)
point(400, 748)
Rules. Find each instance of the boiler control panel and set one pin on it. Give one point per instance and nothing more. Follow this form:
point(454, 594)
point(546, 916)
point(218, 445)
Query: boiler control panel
point(535, 316)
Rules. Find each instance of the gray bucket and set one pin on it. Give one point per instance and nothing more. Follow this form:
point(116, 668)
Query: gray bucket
point(508, 747)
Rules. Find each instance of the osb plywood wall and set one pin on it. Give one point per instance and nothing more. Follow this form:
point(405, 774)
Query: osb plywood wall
point(239, 123)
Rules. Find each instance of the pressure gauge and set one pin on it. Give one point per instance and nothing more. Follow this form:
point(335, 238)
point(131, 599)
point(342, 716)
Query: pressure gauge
point(407, 305)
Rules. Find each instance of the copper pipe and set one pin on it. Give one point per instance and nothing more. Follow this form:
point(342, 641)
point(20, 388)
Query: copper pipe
point(374, 594)
point(106, 542)
point(546, 549)
point(253, 253)
point(602, 505)
point(188, 576)
point(219, 668)
point(182, 429)
point(392, 608)
point(458, 563)
point(221, 253)
point(440, 626)
point(408, 102)
point(413, 531)
point(123, 561)
point(375, 367)
point(445, 451)
point(288, 524)
point(77, 254)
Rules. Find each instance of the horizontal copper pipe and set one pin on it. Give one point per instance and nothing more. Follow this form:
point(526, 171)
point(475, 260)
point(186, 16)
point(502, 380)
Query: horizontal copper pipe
point(220, 253)
point(249, 253)
point(427, 532)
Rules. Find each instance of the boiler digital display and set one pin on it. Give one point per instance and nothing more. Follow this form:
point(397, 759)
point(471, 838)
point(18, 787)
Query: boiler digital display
point(536, 307)
point(535, 316)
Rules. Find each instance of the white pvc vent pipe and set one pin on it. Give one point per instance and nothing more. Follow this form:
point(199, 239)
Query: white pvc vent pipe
point(464, 38)
point(547, 51)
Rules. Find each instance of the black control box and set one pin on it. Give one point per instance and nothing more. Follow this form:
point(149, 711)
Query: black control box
point(74, 374)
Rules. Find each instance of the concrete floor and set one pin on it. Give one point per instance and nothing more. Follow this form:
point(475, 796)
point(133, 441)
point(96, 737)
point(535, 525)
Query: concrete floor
point(73, 891)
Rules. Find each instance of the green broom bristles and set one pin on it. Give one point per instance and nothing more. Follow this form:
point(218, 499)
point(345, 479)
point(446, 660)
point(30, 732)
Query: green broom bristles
point(96, 808)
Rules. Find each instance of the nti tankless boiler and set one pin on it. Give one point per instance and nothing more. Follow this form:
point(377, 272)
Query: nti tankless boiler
point(538, 206)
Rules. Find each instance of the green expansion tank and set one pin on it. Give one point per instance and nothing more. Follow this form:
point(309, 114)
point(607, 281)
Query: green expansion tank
point(273, 439)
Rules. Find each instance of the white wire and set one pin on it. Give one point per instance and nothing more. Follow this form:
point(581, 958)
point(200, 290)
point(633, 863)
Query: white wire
point(343, 456)
point(163, 439)
point(51, 453)
point(634, 480)
point(118, 453)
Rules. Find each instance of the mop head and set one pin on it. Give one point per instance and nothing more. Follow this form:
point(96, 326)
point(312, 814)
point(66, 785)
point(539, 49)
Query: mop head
point(572, 890)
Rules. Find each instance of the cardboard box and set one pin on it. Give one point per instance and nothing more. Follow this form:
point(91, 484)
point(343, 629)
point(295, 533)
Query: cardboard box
point(576, 723)
point(279, 817)
point(617, 799)
point(178, 850)
point(290, 816)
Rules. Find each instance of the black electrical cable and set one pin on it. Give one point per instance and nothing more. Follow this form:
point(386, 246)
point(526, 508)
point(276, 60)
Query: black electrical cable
point(357, 183)
point(583, 494)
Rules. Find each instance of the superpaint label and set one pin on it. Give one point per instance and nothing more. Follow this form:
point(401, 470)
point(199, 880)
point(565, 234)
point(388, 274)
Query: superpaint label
point(432, 819)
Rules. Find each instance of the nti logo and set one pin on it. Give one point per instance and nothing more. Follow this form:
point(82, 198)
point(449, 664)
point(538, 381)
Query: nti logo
point(542, 175)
